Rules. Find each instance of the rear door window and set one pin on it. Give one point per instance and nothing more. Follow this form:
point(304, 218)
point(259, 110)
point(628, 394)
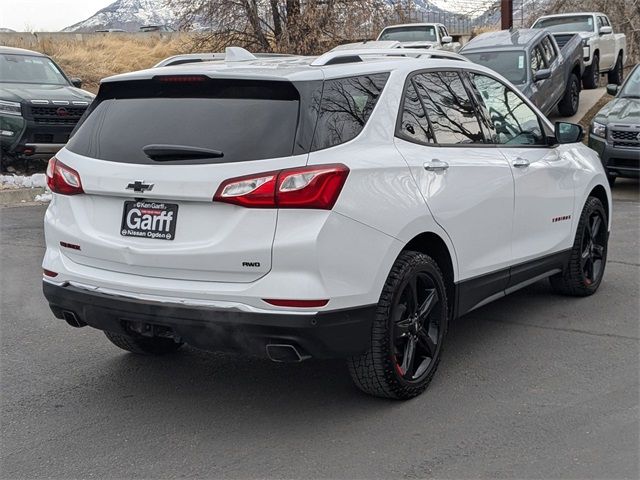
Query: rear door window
point(245, 120)
point(345, 107)
point(451, 112)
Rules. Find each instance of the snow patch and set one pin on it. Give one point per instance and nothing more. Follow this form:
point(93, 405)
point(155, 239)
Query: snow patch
point(43, 197)
point(37, 180)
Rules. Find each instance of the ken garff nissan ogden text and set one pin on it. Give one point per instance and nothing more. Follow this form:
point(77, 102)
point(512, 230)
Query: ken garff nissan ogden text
point(345, 206)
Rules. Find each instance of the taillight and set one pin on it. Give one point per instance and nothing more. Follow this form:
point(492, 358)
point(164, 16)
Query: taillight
point(63, 179)
point(316, 186)
point(256, 191)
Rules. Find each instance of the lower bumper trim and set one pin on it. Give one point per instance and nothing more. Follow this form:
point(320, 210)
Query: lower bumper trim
point(332, 334)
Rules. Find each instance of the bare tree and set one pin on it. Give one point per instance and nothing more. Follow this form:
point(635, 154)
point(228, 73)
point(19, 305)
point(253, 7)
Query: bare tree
point(292, 26)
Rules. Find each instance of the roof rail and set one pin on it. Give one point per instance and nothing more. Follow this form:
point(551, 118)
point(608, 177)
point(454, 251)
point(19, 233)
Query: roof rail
point(330, 58)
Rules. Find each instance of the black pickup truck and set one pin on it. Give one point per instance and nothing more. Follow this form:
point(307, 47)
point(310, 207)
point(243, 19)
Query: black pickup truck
point(39, 105)
point(545, 72)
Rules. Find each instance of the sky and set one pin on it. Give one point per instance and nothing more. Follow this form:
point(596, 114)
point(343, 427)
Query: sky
point(46, 15)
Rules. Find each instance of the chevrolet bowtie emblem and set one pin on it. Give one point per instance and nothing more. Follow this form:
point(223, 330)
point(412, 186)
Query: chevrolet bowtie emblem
point(140, 186)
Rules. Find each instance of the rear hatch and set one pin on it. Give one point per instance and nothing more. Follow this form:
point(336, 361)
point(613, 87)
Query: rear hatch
point(151, 155)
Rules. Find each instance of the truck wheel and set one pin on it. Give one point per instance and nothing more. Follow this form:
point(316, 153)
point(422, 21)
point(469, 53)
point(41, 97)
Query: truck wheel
point(591, 78)
point(570, 102)
point(583, 273)
point(408, 331)
point(617, 74)
point(143, 345)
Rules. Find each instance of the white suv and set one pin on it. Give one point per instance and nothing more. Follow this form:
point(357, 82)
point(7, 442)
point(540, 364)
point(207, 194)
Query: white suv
point(345, 206)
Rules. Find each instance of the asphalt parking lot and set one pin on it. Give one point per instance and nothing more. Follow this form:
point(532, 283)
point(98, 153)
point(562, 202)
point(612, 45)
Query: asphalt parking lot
point(532, 386)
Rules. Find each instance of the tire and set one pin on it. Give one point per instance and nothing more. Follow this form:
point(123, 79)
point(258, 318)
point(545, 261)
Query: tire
point(570, 102)
point(591, 78)
point(143, 345)
point(391, 367)
point(611, 179)
point(583, 274)
point(617, 74)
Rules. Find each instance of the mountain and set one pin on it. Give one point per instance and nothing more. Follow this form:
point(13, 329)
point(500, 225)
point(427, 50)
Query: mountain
point(127, 15)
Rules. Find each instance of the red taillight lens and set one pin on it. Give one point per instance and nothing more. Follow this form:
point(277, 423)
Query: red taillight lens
point(315, 186)
point(311, 187)
point(63, 179)
point(256, 191)
point(296, 303)
point(49, 273)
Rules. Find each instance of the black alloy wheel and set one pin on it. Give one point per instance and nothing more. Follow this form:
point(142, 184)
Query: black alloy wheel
point(588, 257)
point(408, 331)
point(416, 328)
point(594, 244)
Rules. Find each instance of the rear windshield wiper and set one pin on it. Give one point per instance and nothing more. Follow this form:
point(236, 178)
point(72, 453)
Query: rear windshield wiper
point(168, 153)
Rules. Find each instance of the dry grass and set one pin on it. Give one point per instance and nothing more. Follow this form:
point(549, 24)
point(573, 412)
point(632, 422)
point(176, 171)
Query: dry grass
point(97, 57)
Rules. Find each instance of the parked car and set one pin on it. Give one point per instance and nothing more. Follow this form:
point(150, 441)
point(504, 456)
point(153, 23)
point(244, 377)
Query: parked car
point(532, 60)
point(603, 50)
point(615, 130)
point(420, 35)
point(345, 206)
point(157, 28)
point(39, 104)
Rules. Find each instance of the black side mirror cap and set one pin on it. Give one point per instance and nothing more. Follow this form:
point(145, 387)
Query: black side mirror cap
point(542, 75)
point(612, 89)
point(76, 82)
point(566, 132)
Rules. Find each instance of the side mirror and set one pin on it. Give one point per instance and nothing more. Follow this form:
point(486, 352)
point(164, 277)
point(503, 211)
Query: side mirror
point(605, 30)
point(542, 75)
point(568, 132)
point(447, 39)
point(76, 82)
point(612, 89)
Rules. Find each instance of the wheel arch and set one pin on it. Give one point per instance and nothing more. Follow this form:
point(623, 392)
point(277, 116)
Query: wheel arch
point(601, 194)
point(433, 245)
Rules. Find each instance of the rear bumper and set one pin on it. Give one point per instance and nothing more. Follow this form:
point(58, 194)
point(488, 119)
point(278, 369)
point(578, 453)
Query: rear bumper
point(333, 334)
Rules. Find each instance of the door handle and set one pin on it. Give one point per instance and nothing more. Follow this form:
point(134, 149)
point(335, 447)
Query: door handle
point(520, 162)
point(436, 165)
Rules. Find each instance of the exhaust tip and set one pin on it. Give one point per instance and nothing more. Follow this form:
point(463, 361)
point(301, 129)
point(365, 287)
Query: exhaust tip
point(285, 353)
point(72, 319)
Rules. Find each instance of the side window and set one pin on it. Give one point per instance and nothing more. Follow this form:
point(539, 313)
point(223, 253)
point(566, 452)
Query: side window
point(537, 60)
point(345, 107)
point(548, 50)
point(414, 125)
point(514, 122)
point(450, 111)
point(443, 32)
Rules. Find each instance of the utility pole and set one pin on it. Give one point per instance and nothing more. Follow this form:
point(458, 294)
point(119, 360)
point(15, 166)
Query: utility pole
point(506, 14)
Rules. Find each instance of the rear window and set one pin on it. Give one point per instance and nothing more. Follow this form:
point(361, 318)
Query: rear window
point(578, 23)
point(245, 120)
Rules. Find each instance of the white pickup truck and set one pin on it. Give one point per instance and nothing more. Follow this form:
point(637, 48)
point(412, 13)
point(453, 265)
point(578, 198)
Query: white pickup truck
point(603, 50)
point(420, 35)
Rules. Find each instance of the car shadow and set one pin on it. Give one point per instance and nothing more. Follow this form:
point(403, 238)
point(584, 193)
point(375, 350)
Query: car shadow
point(212, 383)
